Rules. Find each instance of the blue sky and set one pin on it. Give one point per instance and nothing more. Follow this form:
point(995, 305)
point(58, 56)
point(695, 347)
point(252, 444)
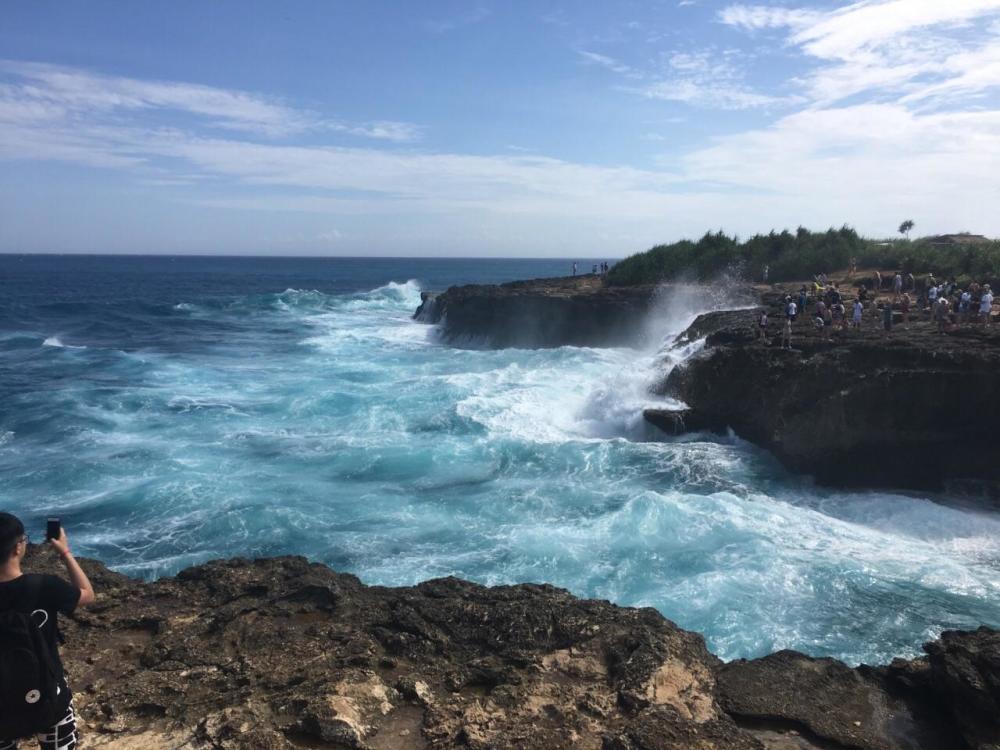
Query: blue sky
point(569, 129)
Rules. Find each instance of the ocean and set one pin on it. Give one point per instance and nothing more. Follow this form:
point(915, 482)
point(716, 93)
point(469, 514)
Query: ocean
point(175, 410)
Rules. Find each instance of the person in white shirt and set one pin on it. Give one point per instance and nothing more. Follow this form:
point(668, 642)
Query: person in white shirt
point(986, 304)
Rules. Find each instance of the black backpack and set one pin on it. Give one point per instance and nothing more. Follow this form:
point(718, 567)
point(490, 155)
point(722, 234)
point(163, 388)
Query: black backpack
point(29, 683)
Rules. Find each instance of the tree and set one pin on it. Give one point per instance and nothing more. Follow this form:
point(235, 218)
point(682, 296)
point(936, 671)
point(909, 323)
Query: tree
point(905, 227)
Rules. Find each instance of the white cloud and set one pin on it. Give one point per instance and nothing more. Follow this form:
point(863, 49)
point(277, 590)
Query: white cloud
point(754, 17)
point(708, 79)
point(44, 92)
point(908, 49)
point(866, 164)
point(610, 63)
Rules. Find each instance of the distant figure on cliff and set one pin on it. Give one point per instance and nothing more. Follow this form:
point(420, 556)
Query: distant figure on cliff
point(878, 281)
point(786, 334)
point(859, 309)
point(791, 309)
point(911, 282)
point(940, 314)
point(767, 270)
point(762, 326)
point(986, 304)
point(574, 268)
point(30, 604)
point(897, 284)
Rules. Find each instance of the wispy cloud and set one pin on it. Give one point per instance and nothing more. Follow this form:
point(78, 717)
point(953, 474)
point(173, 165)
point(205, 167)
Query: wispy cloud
point(41, 92)
point(467, 18)
point(709, 79)
point(615, 66)
point(912, 50)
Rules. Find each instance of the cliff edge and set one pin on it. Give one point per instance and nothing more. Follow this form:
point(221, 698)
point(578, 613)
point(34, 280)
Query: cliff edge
point(539, 314)
point(914, 407)
point(278, 654)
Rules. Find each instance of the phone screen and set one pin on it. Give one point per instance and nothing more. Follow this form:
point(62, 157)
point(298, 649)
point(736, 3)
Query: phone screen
point(52, 529)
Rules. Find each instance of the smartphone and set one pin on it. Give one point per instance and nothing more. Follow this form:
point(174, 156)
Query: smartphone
point(53, 529)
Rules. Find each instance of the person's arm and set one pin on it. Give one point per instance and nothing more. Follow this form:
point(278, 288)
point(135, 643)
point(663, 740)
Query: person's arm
point(76, 574)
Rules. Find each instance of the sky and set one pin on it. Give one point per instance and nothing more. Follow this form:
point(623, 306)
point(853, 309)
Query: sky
point(537, 128)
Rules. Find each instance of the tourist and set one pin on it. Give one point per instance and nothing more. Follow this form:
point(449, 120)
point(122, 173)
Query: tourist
point(964, 305)
point(593, 270)
point(839, 313)
point(803, 298)
point(941, 314)
point(819, 324)
point(39, 599)
point(791, 309)
point(852, 267)
point(932, 295)
point(897, 284)
point(878, 281)
point(786, 334)
point(986, 304)
point(821, 308)
point(863, 293)
point(859, 308)
point(574, 268)
point(904, 306)
point(767, 270)
point(762, 326)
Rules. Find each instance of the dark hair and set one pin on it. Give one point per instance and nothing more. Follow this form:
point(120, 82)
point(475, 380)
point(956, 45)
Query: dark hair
point(11, 531)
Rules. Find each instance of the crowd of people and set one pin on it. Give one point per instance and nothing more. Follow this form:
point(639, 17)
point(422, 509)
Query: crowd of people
point(597, 269)
point(946, 304)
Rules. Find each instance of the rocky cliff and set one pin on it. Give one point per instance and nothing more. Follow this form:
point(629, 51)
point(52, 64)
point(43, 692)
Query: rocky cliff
point(573, 311)
point(279, 654)
point(913, 407)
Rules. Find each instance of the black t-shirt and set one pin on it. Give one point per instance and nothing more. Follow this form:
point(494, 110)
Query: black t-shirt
point(48, 593)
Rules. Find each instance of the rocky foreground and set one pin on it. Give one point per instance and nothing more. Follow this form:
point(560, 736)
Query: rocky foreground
point(278, 654)
point(913, 408)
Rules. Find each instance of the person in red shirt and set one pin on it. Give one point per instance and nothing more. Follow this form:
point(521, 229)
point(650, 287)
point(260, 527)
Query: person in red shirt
point(45, 597)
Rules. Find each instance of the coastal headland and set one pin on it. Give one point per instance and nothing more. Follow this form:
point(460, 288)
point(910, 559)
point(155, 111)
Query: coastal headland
point(279, 654)
point(542, 313)
point(915, 407)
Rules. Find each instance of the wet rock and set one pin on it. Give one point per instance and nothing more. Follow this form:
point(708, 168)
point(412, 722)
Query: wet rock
point(965, 673)
point(574, 311)
point(911, 409)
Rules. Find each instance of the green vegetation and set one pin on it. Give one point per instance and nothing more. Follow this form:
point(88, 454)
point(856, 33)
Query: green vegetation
point(802, 254)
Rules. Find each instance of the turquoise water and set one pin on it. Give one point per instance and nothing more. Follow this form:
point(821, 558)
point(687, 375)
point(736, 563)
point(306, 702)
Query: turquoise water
point(173, 411)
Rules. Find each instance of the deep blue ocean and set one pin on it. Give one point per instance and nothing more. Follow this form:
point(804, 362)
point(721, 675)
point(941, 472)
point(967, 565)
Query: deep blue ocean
point(173, 410)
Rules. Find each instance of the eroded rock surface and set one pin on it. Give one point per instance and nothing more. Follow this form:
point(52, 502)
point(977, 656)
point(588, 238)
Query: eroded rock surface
point(279, 653)
point(543, 313)
point(914, 408)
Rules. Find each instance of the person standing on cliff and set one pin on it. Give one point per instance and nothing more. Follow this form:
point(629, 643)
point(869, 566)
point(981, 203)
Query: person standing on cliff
point(43, 598)
point(986, 304)
point(574, 268)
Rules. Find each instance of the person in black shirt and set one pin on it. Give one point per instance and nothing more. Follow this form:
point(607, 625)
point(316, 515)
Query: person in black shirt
point(50, 596)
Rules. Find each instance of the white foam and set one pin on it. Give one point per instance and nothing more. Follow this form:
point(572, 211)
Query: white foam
point(56, 342)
